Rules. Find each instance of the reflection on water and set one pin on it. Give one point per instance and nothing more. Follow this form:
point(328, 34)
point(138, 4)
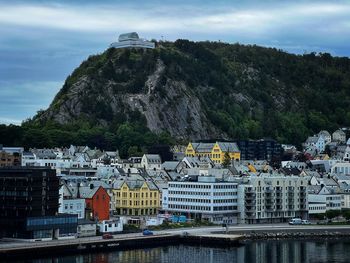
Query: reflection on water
point(266, 251)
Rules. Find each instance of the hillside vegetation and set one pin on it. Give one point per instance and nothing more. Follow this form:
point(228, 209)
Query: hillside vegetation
point(131, 98)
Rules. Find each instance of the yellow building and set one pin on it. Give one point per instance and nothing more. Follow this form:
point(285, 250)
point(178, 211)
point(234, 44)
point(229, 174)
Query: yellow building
point(136, 198)
point(215, 151)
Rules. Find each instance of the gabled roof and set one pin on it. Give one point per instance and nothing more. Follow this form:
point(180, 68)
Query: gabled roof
point(314, 189)
point(312, 139)
point(339, 131)
point(228, 146)
point(153, 158)
point(324, 133)
point(170, 165)
point(135, 184)
point(203, 147)
point(87, 192)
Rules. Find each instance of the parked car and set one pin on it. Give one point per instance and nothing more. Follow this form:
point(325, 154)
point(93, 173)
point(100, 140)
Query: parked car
point(107, 236)
point(295, 221)
point(147, 232)
point(305, 222)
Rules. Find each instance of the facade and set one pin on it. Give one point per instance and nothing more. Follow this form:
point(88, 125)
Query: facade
point(110, 226)
point(29, 205)
point(204, 199)
point(324, 198)
point(10, 156)
point(215, 151)
point(272, 198)
point(136, 198)
point(151, 162)
point(86, 228)
point(132, 40)
point(316, 142)
point(97, 202)
point(265, 149)
point(326, 135)
point(339, 136)
point(73, 206)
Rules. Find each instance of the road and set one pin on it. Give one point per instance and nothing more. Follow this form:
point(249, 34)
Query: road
point(237, 229)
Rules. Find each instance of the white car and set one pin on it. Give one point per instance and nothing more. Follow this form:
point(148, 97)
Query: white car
point(305, 222)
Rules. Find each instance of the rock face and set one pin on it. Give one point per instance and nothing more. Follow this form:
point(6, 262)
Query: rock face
point(169, 106)
point(208, 90)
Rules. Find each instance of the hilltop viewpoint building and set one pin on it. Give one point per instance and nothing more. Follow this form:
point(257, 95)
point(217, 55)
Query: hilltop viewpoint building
point(132, 40)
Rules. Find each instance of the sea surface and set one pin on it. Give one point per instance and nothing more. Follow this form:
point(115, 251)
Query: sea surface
point(328, 251)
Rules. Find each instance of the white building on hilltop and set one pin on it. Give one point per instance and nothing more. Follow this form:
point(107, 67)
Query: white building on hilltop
point(132, 40)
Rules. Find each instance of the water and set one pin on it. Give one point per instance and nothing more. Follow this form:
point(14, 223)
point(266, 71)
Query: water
point(331, 251)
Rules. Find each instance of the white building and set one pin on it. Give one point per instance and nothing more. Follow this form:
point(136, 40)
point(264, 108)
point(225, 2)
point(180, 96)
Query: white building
point(132, 40)
point(317, 142)
point(111, 226)
point(341, 169)
point(322, 198)
point(269, 198)
point(205, 199)
point(326, 135)
point(73, 206)
point(151, 162)
point(339, 136)
point(86, 228)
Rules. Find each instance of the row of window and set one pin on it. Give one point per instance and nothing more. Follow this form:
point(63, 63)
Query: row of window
point(13, 193)
point(190, 186)
point(189, 193)
point(137, 203)
point(186, 200)
point(313, 208)
point(51, 221)
point(137, 195)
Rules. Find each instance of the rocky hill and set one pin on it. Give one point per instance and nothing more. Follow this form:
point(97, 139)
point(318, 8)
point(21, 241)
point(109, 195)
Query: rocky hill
point(199, 90)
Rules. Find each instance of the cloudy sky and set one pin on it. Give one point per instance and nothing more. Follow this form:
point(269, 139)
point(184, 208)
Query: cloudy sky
point(41, 42)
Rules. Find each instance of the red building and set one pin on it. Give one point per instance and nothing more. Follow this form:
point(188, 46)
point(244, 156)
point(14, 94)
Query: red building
point(97, 202)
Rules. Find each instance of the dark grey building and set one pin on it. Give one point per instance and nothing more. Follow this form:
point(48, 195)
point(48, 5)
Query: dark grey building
point(29, 204)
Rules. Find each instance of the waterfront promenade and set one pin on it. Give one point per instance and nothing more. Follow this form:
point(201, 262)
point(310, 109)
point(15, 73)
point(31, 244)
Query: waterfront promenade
point(202, 235)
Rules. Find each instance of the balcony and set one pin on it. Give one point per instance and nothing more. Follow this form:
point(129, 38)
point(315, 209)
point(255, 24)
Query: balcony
point(249, 197)
point(290, 190)
point(278, 190)
point(279, 207)
point(269, 209)
point(269, 190)
point(249, 203)
point(250, 209)
point(279, 201)
point(291, 207)
point(249, 190)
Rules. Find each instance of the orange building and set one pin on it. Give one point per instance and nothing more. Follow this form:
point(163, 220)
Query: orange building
point(97, 202)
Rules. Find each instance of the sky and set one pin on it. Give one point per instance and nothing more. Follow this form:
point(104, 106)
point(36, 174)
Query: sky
point(42, 42)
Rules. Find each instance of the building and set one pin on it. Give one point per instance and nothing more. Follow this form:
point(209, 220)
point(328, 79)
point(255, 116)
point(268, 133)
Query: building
point(73, 206)
point(110, 226)
point(272, 198)
point(215, 151)
point(86, 228)
point(264, 149)
point(203, 198)
point(10, 156)
point(136, 198)
point(322, 198)
point(326, 135)
point(339, 136)
point(29, 205)
point(97, 202)
point(132, 40)
point(316, 142)
point(151, 162)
